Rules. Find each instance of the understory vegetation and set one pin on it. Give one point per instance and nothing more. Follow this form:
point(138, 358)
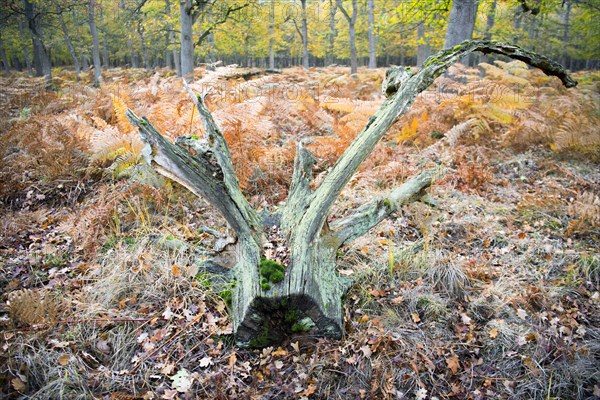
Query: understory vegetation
point(494, 293)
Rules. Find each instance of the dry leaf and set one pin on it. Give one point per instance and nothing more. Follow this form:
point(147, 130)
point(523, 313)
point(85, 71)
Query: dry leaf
point(494, 333)
point(176, 270)
point(64, 360)
point(280, 352)
point(415, 317)
point(232, 360)
point(522, 314)
point(465, 319)
point(278, 364)
point(397, 300)
point(351, 360)
point(205, 362)
point(421, 394)
point(182, 381)
point(453, 363)
point(168, 369)
point(19, 385)
point(366, 351)
point(309, 390)
point(296, 347)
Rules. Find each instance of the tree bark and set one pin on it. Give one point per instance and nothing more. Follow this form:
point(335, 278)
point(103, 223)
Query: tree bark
point(68, 41)
point(307, 298)
point(371, 34)
point(332, 33)
point(5, 64)
point(41, 56)
point(140, 31)
point(566, 34)
point(186, 22)
point(272, 35)
point(105, 58)
point(95, 43)
point(351, 33)
point(304, 36)
point(25, 48)
point(461, 23)
point(490, 21)
point(423, 48)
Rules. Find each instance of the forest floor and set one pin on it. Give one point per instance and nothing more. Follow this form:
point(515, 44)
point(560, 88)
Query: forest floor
point(493, 294)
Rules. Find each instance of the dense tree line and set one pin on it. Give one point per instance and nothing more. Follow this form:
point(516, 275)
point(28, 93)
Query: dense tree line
point(36, 35)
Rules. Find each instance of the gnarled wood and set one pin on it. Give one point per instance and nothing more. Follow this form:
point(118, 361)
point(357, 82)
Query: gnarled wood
point(308, 297)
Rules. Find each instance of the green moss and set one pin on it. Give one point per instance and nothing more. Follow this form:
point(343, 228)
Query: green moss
point(195, 137)
point(291, 315)
point(387, 203)
point(304, 325)
point(262, 340)
point(437, 135)
point(271, 271)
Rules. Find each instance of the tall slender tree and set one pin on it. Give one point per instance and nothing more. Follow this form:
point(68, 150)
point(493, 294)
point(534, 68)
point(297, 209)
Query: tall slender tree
point(351, 19)
point(95, 42)
point(371, 34)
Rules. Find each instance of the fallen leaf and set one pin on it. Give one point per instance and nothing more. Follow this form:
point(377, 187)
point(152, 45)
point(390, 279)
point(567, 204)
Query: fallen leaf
point(366, 351)
point(168, 314)
point(351, 360)
point(232, 360)
point(465, 319)
point(494, 333)
point(168, 369)
point(278, 364)
point(397, 300)
point(309, 390)
point(522, 314)
point(296, 347)
point(205, 362)
point(280, 352)
point(64, 360)
point(421, 394)
point(18, 385)
point(176, 270)
point(182, 380)
point(453, 363)
point(415, 317)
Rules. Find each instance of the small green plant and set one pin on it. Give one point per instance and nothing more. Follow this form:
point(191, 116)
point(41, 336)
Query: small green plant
point(272, 272)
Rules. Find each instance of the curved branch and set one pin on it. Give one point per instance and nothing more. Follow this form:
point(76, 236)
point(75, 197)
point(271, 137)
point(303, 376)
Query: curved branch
point(403, 93)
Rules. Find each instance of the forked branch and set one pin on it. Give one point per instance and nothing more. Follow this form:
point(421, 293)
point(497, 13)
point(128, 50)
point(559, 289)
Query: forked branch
point(402, 93)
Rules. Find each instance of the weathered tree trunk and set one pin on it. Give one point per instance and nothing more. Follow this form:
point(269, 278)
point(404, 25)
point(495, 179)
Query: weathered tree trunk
point(351, 33)
point(67, 37)
point(140, 31)
point(490, 21)
point(371, 34)
point(95, 43)
point(305, 294)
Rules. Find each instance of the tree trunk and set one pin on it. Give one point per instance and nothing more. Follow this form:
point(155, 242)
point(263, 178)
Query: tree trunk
point(41, 56)
point(63, 26)
point(5, 64)
point(491, 20)
point(105, 58)
point(95, 43)
point(461, 23)
point(565, 38)
point(371, 33)
point(423, 48)
point(332, 34)
point(168, 38)
point(272, 35)
point(186, 21)
point(25, 48)
point(351, 33)
point(300, 290)
point(140, 31)
point(304, 36)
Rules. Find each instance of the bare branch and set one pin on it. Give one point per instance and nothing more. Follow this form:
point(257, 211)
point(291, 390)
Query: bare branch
point(402, 94)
